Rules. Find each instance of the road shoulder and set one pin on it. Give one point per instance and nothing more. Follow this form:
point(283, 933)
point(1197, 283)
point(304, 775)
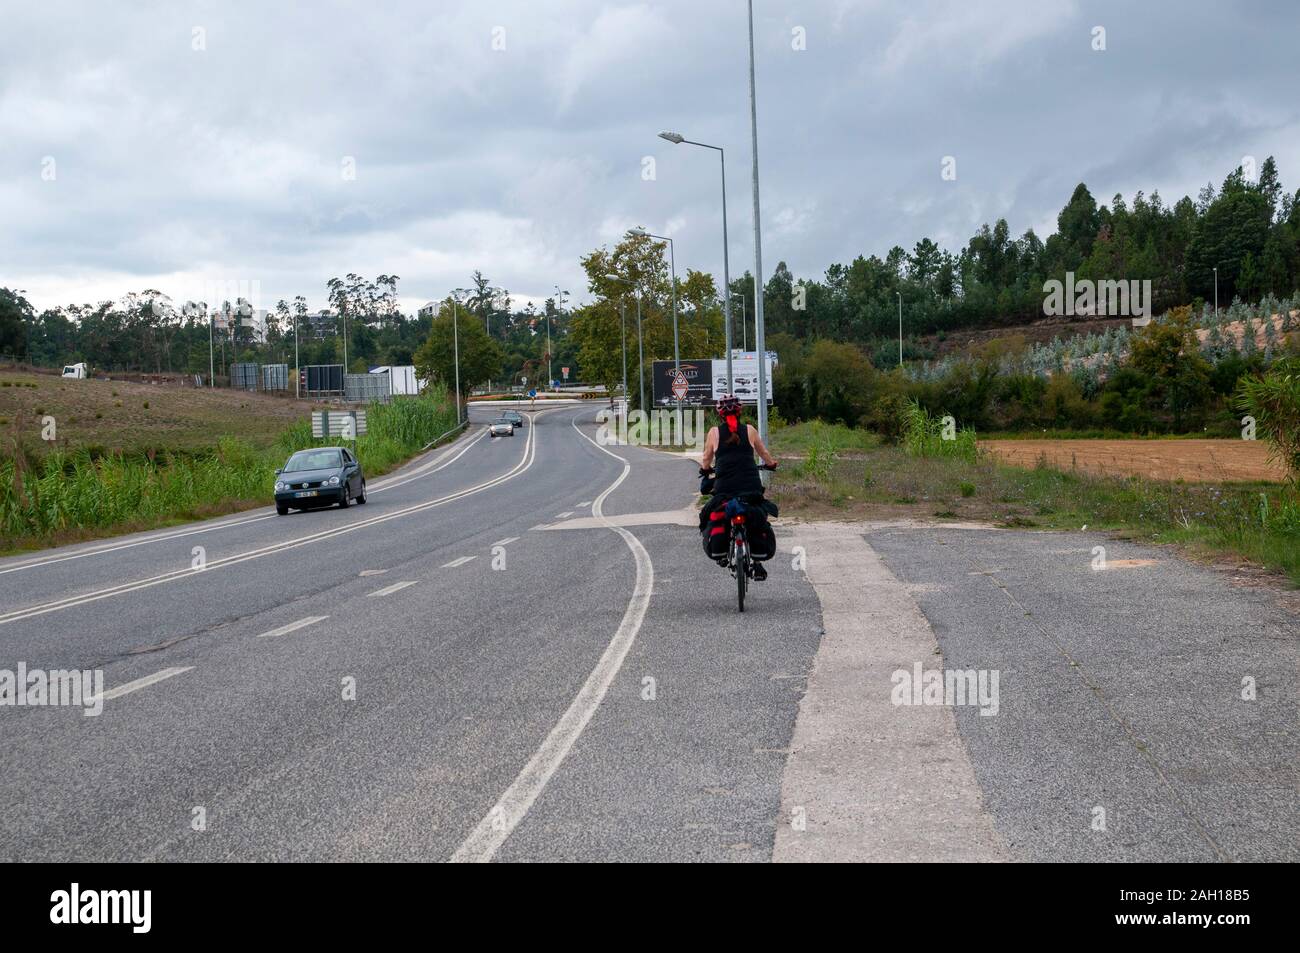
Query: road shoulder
point(867, 780)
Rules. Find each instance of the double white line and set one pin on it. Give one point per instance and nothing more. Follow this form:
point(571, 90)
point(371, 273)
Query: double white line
point(17, 615)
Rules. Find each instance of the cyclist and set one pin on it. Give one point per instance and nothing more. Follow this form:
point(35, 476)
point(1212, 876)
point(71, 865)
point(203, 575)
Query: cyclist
point(729, 448)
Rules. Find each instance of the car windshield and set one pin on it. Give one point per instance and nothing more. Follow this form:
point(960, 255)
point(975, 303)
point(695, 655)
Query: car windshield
point(314, 460)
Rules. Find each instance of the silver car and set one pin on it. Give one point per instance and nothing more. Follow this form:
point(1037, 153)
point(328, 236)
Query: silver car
point(502, 427)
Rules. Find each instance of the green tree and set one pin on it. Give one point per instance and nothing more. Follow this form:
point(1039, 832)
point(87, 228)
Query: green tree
point(480, 356)
point(597, 331)
point(15, 314)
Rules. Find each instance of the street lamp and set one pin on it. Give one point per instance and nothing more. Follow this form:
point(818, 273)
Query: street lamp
point(900, 328)
point(559, 303)
point(759, 343)
point(677, 354)
point(455, 343)
point(1216, 294)
point(726, 265)
point(622, 301)
point(212, 369)
point(744, 330)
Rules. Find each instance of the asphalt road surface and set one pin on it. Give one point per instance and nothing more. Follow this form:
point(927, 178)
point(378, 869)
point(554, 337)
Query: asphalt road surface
point(516, 651)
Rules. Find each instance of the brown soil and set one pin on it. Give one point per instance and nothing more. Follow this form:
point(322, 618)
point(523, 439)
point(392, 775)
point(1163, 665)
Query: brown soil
point(113, 415)
point(1196, 461)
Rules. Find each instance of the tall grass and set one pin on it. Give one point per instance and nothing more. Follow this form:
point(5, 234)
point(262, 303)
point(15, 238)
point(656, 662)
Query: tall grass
point(40, 496)
point(928, 436)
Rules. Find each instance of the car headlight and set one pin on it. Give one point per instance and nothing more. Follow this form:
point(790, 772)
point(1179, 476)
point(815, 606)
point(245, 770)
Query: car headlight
point(281, 485)
point(334, 481)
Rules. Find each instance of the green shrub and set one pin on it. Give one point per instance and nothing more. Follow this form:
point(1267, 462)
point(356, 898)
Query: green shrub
point(1274, 401)
point(929, 436)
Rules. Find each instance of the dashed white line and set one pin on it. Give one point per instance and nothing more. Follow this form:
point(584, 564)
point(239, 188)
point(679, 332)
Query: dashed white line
point(458, 562)
point(585, 503)
point(145, 682)
point(505, 542)
point(565, 515)
point(389, 590)
point(294, 626)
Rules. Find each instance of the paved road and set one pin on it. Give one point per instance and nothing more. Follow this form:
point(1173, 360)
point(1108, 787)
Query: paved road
point(516, 651)
point(461, 676)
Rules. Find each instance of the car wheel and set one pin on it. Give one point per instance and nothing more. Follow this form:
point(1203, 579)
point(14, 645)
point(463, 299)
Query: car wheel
point(281, 510)
point(347, 497)
point(361, 497)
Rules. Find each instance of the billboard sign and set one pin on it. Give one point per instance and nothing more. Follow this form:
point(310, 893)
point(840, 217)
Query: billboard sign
point(706, 381)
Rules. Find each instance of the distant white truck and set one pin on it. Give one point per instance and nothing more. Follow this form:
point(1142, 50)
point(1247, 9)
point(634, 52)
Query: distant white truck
point(75, 370)
point(402, 379)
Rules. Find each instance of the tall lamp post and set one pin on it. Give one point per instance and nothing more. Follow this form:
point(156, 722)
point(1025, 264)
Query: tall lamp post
point(622, 303)
point(677, 353)
point(1216, 294)
point(559, 304)
point(759, 342)
point(744, 329)
point(212, 367)
point(455, 343)
point(726, 266)
point(900, 328)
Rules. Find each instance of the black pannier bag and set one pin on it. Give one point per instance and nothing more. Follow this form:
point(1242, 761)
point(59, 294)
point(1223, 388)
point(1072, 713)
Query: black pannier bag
point(762, 540)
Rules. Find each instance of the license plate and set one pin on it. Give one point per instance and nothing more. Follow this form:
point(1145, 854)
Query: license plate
point(307, 493)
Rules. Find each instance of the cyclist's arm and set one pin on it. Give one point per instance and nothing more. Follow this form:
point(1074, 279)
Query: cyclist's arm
point(710, 448)
point(756, 442)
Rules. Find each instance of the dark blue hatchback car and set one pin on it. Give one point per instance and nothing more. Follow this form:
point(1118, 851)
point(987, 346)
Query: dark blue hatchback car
point(320, 477)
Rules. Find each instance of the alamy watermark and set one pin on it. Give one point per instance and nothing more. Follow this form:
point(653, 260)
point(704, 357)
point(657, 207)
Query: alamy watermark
point(946, 687)
point(1098, 299)
point(55, 687)
point(652, 428)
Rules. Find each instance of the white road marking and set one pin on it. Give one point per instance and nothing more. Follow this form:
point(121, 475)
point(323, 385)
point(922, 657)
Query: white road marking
point(505, 542)
point(294, 626)
point(145, 682)
point(565, 515)
point(585, 503)
point(491, 832)
point(395, 587)
point(15, 615)
point(458, 562)
point(372, 572)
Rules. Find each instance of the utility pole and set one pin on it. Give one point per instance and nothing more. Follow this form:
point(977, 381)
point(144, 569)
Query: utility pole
point(759, 342)
point(455, 338)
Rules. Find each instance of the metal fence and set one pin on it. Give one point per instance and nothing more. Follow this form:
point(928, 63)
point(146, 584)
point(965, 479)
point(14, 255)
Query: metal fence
point(367, 388)
point(322, 379)
point(245, 376)
point(275, 377)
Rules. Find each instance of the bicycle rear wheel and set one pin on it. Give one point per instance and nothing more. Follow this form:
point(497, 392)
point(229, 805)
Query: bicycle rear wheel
point(741, 564)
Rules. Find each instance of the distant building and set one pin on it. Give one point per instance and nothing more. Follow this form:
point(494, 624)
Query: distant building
point(319, 325)
point(429, 310)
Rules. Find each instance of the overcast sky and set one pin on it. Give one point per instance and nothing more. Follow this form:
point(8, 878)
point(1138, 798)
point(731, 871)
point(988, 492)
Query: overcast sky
point(172, 144)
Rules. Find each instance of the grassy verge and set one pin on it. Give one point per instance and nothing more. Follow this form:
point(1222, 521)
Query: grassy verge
point(67, 495)
point(1259, 522)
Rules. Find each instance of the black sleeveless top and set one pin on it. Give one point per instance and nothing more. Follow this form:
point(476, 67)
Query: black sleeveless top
point(737, 471)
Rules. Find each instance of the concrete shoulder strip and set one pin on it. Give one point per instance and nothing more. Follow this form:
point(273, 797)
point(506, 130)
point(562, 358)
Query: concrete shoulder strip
point(873, 781)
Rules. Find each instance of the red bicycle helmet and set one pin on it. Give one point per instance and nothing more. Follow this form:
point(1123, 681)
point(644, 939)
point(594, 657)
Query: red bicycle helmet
point(728, 404)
